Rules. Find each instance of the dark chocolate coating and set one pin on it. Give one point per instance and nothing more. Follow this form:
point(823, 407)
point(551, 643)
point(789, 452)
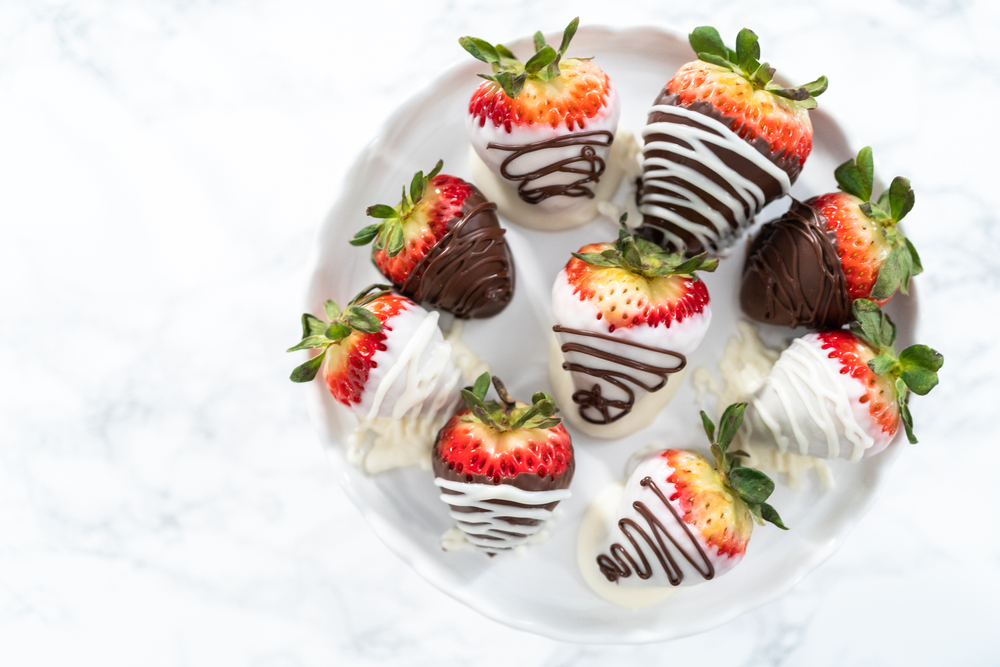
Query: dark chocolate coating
point(652, 226)
point(470, 271)
point(793, 276)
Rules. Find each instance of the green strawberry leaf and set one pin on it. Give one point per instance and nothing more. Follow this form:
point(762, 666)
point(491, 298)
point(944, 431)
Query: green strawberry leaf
point(907, 418)
point(363, 320)
point(309, 343)
point(706, 39)
point(539, 40)
point(715, 60)
point(709, 426)
point(883, 363)
point(568, 34)
point(890, 275)
point(747, 50)
point(480, 49)
point(763, 75)
point(417, 187)
point(901, 198)
point(730, 423)
point(918, 266)
point(768, 513)
point(753, 486)
point(312, 326)
point(856, 177)
point(919, 368)
point(595, 258)
point(540, 60)
point(817, 87)
point(512, 84)
point(435, 171)
point(481, 386)
point(381, 211)
point(504, 52)
point(872, 325)
point(307, 371)
point(799, 94)
point(756, 513)
point(396, 240)
point(337, 331)
point(365, 235)
point(721, 464)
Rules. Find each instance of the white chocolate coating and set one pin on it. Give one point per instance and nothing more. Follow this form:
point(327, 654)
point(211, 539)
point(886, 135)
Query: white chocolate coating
point(592, 536)
point(553, 213)
point(570, 311)
point(412, 390)
point(698, 139)
point(809, 407)
point(488, 527)
point(690, 573)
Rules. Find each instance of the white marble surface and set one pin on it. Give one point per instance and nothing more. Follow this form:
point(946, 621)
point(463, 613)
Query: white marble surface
point(164, 167)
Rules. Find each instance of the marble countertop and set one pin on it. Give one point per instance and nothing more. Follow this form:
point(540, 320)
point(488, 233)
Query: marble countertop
point(164, 168)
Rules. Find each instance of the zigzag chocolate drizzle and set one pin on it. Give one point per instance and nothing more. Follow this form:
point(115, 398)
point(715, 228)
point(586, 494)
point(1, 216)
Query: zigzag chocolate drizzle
point(578, 188)
point(592, 400)
point(621, 563)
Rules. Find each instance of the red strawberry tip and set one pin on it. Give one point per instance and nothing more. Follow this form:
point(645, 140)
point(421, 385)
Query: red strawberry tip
point(317, 334)
point(509, 72)
point(752, 486)
point(506, 415)
point(915, 369)
point(708, 44)
point(645, 258)
point(388, 232)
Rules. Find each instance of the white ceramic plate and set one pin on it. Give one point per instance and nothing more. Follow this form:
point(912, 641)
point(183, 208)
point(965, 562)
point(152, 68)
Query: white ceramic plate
point(543, 590)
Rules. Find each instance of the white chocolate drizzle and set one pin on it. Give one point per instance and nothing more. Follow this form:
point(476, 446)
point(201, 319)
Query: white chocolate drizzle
point(429, 397)
point(697, 140)
point(488, 527)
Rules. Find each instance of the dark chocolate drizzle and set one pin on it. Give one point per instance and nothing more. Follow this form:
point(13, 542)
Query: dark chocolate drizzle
point(592, 400)
point(590, 173)
point(621, 564)
point(470, 271)
point(793, 276)
point(652, 226)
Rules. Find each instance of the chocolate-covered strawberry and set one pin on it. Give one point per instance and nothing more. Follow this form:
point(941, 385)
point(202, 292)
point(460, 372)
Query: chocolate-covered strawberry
point(792, 275)
point(502, 466)
point(627, 315)
point(369, 350)
point(842, 394)
point(806, 267)
point(681, 521)
point(541, 131)
point(443, 245)
point(722, 141)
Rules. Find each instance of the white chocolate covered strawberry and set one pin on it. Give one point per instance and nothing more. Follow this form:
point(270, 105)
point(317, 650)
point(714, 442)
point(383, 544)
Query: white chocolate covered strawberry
point(627, 315)
point(541, 132)
point(842, 394)
point(384, 358)
point(681, 521)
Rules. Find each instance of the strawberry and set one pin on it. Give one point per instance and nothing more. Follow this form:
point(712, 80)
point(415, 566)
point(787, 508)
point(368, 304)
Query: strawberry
point(544, 127)
point(361, 347)
point(626, 314)
point(685, 522)
point(843, 393)
point(722, 141)
point(876, 258)
point(443, 229)
point(502, 466)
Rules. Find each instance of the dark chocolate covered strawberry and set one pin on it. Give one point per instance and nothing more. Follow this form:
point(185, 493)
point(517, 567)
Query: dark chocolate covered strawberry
point(443, 245)
point(722, 141)
point(806, 267)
